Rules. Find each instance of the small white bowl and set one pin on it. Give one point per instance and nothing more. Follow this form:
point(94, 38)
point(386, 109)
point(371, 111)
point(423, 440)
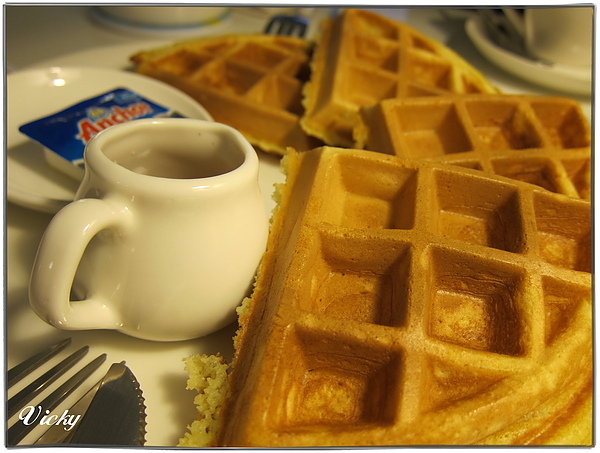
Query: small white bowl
point(165, 16)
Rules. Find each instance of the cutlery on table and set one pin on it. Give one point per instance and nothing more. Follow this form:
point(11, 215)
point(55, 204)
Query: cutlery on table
point(112, 412)
point(289, 25)
point(504, 30)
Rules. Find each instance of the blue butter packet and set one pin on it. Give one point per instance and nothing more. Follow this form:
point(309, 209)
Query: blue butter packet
point(64, 134)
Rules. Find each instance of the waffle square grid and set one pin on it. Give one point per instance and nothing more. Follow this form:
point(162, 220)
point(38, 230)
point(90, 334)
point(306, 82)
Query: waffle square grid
point(363, 58)
point(541, 140)
point(252, 83)
point(403, 298)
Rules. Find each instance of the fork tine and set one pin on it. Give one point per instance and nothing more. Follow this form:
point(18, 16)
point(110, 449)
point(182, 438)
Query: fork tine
point(287, 25)
point(21, 370)
point(33, 389)
point(19, 430)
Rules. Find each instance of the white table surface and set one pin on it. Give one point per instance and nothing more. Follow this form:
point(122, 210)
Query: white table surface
point(40, 36)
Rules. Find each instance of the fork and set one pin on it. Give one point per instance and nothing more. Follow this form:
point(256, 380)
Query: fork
point(289, 25)
point(503, 29)
point(20, 402)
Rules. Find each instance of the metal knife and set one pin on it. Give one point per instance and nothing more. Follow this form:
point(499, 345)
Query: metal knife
point(57, 434)
point(116, 415)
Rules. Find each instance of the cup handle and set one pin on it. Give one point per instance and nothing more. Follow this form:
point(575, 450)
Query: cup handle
point(59, 253)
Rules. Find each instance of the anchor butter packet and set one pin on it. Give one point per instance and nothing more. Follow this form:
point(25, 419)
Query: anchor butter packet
point(64, 134)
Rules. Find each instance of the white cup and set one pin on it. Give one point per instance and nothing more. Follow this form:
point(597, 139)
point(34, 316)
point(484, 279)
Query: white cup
point(164, 237)
point(560, 35)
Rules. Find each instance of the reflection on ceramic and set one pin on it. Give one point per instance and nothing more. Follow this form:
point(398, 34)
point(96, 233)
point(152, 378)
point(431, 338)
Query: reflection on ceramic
point(182, 198)
point(563, 78)
point(32, 94)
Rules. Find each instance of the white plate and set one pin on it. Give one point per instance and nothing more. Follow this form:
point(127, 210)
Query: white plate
point(563, 78)
point(115, 56)
point(32, 94)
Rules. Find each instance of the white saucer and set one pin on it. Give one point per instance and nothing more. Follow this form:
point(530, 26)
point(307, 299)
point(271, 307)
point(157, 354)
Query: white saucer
point(159, 31)
point(563, 78)
point(32, 94)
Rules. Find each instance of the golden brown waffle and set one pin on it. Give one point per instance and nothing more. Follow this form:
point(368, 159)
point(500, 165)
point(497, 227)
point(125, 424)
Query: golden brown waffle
point(250, 82)
point(363, 58)
point(412, 302)
point(537, 139)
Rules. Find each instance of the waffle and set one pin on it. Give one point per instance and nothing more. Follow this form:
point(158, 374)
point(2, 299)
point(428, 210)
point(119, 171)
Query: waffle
point(536, 139)
point(407, 302)
point(250, 82)
point(363, 58)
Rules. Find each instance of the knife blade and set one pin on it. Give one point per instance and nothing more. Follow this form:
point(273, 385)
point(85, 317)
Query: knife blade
point(117, 414)
point(19, 430)
point(57, 434)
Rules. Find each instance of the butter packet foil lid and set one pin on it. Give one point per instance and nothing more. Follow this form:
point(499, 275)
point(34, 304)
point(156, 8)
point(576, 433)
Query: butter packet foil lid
point(65, 134)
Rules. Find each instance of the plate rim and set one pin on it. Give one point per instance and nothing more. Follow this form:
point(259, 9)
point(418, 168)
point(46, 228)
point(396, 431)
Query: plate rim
point(15, 192)
point(528, 69)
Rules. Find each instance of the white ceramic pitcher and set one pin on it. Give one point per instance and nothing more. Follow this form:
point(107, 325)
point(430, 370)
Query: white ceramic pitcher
point(164, 237)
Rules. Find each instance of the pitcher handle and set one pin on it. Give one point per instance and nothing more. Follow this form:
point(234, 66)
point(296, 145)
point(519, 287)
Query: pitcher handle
point(57, 260)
